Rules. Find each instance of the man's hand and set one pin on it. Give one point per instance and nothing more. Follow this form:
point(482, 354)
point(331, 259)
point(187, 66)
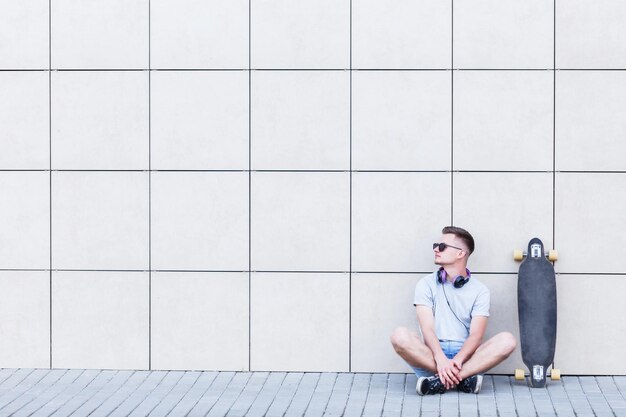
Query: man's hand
point(448, 371)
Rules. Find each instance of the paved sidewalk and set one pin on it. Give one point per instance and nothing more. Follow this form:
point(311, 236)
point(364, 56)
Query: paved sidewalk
point(39, 392)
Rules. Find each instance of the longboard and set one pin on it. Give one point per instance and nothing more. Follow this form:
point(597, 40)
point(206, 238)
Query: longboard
point(536, 301)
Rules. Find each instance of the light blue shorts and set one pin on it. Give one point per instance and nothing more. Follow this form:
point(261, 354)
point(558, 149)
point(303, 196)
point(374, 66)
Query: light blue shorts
point(450, 349)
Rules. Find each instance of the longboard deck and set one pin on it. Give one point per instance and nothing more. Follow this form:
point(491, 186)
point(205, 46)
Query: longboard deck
point(536, 296)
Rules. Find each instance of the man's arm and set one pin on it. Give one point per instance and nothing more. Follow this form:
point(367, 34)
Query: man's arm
point(446, 369)
point(478, 326)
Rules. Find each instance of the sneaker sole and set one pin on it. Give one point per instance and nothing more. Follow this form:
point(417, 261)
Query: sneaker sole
point(479, 384)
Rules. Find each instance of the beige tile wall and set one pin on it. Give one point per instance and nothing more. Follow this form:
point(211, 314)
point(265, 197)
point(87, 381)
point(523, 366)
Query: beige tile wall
point(255, 185)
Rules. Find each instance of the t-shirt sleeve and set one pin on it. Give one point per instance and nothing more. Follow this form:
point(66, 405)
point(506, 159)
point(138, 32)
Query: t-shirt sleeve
point(423, 294)
point(481, 305)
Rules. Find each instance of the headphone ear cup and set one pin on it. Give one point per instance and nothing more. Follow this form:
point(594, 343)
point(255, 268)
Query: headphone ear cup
point(440, 278)
point(460, 281)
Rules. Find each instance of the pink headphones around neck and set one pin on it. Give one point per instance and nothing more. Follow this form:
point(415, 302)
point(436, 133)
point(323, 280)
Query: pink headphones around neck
point(459, 281)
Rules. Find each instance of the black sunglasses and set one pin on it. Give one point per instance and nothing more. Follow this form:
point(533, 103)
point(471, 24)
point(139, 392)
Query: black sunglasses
point(443, 246)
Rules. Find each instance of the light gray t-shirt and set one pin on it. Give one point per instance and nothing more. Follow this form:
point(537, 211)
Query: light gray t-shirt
point(469, 301)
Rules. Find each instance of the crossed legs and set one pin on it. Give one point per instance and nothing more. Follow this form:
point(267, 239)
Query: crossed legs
point(411, 348)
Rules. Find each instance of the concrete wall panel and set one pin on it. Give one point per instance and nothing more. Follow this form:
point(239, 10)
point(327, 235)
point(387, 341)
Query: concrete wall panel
point(401, 120)
point(299, 322)
point(503, 34)
point(199, 34)
point(401, 34)
point(200, 321)
point(24, 26)
point(25, 120)
point(25, 319)
point(100, 320)
point(24, 220)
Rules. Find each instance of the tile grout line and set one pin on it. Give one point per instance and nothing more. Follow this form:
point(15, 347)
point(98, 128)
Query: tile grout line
point(310, 69)
point(452, 112)
point(149, 185)
point(249, 186)
point(554, 127)
point(458, 171)
point(350, 214)
point(50, 166)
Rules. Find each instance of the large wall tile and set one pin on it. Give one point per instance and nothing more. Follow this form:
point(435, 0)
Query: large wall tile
point(24, 117)
point(24, 34)
point(199, 120)
point(380, 303)
point(503, 120)
point(503, 211)
point(503, 316)
point(590, 325)
point(100, 320)
point(590, 223)
point(590, 34)
point(25, 220)
point(100, 34)
point(199, 34)
point(304, 34)
point(200, 321)
point(300, 120)
point(100, 120)
point(503, 34)
point(401, 34)
point(100, 220)
point(395, 219)
point(200, 220)
point(590, 123)
point(24, 319)
point(300, 221)
point(401, 120)
point(300, 322)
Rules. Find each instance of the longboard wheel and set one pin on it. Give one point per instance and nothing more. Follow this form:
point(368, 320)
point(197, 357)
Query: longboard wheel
point(553, 255)
point(555, 374)
point(519, 375)
point(518, 255)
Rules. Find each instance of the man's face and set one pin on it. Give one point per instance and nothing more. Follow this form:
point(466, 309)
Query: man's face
point(449, 255)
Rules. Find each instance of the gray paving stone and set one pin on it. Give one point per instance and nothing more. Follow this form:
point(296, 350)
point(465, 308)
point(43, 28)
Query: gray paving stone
point(505, 402)
point(85, 394)
point(67, 394)
point(22, 387)
point(430, 404)
point(339, 397)
point(285, 394)
point(303, 395)
point(263, 401)
point(394, 396)
point(212, 394)
point(321, 395)
point(26, 392)
point(121, 394)
point(230, 395)
point(191, 398)
point(412, 403)
point(449, 404)
point(31, 394)
point(468, 404)
point(248, 395)
point(121, 378)
point(358, 395)
point(171, 400)
point(15, 379)
point(135, 397)
point(376, 394)
point(5, 373)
